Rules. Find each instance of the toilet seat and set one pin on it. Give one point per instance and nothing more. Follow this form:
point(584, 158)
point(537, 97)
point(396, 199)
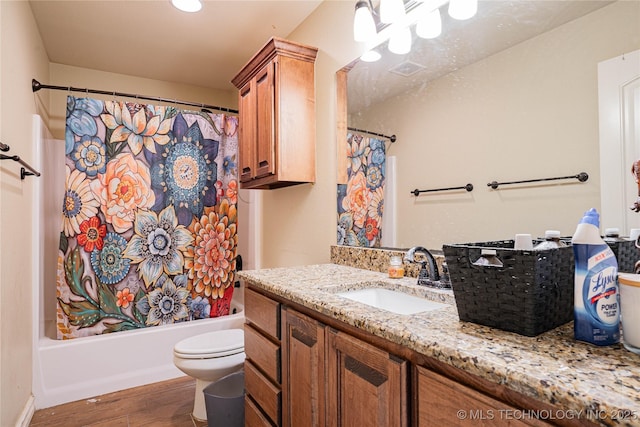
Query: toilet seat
point(211, 345)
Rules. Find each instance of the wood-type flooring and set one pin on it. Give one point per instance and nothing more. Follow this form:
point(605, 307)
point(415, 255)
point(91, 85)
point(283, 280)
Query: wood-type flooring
point(164, 404)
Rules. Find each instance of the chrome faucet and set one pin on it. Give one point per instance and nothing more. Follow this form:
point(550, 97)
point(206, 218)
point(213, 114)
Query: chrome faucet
point(428, 274)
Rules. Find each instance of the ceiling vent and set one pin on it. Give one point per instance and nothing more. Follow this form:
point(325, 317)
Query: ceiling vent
point(407, 68)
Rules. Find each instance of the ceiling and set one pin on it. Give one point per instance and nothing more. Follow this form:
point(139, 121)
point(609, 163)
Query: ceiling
point(152, 39)
point(498, 25)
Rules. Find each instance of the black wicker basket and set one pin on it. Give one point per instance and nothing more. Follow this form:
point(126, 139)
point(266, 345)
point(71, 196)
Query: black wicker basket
point(627, 254)
point(530, 294)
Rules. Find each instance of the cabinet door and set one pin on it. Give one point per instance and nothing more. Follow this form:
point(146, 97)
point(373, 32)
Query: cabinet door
point(265, 116)
point(443, 402)
point(247, 131)
point(366, 386)
point(303, 377)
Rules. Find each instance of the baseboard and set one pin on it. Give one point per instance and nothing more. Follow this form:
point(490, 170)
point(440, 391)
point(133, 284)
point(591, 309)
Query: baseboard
point(27, 413)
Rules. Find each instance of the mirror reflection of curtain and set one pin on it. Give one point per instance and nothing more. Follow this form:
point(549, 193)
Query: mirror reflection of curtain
point(361, 199)
point(149, 224)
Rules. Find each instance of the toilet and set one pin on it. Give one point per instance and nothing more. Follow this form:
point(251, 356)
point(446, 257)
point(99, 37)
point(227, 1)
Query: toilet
point(207, 358)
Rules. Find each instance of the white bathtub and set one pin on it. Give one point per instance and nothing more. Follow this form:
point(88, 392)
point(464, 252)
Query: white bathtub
point(69, 370)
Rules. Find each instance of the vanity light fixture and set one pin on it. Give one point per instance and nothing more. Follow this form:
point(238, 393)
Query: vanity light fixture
point(426, 13)
point(364, 27)
point(391, 11)
point(430, 25)
point(462, 9)
point(400, 41)
point(187, 5)
point(371, 56)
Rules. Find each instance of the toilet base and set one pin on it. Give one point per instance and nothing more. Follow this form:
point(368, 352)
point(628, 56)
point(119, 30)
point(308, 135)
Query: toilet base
point(199, 407)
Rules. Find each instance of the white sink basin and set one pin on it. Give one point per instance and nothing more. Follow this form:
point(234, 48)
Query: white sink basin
point(394, 301)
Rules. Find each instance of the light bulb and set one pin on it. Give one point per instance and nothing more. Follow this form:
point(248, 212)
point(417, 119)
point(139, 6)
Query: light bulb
point(364, 29)
point(400, 41)
point(187, 5)
point(430, 25)
point(462, 9)
point(370, 56)
point(391, 11)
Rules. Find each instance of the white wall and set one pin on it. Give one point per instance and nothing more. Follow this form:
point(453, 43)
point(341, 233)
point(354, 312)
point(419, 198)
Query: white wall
point(22, 57)
point(527, 112)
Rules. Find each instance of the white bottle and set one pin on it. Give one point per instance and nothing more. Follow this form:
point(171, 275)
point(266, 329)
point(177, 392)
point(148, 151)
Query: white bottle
point(488, 257)
point(596, 295)
point(612, 235)
point(551, 241)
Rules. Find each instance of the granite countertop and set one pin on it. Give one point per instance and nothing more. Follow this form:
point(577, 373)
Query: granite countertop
point(599, 383)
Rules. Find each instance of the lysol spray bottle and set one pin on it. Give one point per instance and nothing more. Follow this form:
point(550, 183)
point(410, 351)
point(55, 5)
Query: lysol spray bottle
point(596, 300)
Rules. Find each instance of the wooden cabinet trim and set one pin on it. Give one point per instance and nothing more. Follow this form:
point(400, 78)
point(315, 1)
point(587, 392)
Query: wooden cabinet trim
point(266, 113)
point(341, 126)
point(275, 46)
point(246, 133)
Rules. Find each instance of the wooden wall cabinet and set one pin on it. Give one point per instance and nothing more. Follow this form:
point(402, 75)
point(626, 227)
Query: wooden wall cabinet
point(277, 116)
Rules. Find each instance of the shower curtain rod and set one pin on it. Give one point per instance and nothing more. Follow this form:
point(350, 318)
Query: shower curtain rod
point(391, 138)
point(36, 86)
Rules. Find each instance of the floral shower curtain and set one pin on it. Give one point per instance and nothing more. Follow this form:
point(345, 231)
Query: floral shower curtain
point(149, 217)
point(361, 200)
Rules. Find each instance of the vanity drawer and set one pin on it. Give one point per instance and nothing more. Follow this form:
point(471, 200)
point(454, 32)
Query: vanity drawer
point(263, 392)
point(253, 416)
point(262, 352)
point(262, 312)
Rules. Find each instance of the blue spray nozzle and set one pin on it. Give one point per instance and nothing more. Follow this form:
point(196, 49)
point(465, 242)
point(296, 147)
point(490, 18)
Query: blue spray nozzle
point(591, 217)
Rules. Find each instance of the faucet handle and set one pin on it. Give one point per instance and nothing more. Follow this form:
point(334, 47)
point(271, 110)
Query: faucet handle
point(424, 277)
point(445, 278)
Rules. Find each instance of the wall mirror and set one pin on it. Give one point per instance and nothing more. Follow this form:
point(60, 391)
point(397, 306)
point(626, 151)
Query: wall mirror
point(510, 94)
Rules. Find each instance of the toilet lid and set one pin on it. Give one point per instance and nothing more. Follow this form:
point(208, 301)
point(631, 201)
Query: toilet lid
point(214, 344)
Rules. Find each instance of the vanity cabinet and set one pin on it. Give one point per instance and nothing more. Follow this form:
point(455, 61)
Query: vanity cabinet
point(304, 368)
point(443, 402)
point(277, 116)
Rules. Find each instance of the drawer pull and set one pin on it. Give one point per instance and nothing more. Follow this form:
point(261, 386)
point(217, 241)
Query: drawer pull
point(365, 372)
point(304, 338)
